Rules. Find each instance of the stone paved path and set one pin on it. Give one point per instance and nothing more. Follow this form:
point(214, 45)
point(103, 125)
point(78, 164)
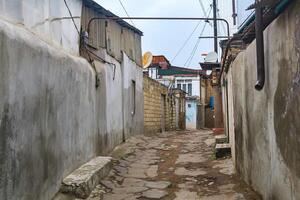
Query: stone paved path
point(174, 165)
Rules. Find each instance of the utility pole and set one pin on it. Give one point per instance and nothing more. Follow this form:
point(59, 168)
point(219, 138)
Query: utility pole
point(215, 25)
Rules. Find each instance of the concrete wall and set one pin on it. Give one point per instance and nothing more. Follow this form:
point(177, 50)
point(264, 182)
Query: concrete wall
point(157, 118)
point(133, 109)
point(266, 123)
point(52, 117)
point(47, 18)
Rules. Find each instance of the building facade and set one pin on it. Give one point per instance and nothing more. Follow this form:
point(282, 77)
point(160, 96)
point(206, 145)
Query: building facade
point(180, 78)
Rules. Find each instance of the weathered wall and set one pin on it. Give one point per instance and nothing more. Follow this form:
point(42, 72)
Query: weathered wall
point(133, 109)
point(155, 119)
point(52, 118)
point(47, 112)
point(266, 123)
point(47, 18)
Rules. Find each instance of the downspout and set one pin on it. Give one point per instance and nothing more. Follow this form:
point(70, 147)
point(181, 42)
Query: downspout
point(259, 46)
point(234, 14)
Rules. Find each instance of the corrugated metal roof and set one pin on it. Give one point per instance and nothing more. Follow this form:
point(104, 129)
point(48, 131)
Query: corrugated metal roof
point(92, 4)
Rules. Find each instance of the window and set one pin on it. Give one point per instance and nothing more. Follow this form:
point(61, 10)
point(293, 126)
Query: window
point(190, 89)
point(179, 86)
point(189, 105)
point(184, 87)
point(133, 97)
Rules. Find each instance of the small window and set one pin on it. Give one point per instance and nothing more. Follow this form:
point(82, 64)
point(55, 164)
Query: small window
point(184, 87)
point(190, 89)
point(179, 86)
point(189, 105)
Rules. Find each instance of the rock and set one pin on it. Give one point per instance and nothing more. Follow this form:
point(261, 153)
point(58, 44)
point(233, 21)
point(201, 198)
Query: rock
point(211, 183)
point(152, 171)
point(129, 190)
point(181, 171)
point(186, 195)
point(128, 182)
point(190, 158)
point(158, 184)
point(210, 142)
point(154, 194)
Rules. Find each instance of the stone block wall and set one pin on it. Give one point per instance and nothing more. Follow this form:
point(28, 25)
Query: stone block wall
point(157, 96)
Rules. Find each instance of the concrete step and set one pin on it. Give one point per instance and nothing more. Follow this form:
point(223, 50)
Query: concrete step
point(223, 150)
point(221, 139)
point(81, 182)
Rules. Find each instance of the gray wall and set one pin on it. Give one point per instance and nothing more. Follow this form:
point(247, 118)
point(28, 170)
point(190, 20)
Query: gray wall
point(52, 118)
point(133, 123)
point(47, 18)
point(266, 124)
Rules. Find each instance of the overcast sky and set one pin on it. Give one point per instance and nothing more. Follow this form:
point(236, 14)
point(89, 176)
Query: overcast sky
point(167, 37)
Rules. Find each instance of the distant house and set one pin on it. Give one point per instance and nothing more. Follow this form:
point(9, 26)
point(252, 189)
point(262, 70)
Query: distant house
point(182, 78)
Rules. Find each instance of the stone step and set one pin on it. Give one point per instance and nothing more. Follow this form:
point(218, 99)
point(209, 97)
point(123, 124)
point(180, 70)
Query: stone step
point(223, 150)
point(81, 182)
point(221, 139)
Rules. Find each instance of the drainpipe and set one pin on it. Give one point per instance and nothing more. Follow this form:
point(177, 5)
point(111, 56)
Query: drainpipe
point(234, 14)
point(259, 46)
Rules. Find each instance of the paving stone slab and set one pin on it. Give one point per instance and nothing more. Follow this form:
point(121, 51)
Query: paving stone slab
point(154, 194)
point(158, 184)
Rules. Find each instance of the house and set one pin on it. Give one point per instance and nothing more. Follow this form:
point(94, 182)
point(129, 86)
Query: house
point(182, 78)
point(64, 93)
point(164, 107)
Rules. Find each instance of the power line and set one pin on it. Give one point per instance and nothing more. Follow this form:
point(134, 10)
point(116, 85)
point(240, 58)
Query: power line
point(126, 12)
point(190, 58)
point(189, 37)
point(186, 41)
point(72, 17)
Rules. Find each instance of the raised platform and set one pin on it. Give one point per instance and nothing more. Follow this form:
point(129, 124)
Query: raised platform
point(221, 139)
point(81, 182)
point(223, 150)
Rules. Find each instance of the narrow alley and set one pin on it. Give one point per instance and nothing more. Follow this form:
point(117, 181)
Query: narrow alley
point(149, 100)
point(175, 165)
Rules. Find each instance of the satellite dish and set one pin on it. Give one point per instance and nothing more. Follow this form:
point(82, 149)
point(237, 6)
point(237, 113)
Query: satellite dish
point(147, 59)
point(211, 57)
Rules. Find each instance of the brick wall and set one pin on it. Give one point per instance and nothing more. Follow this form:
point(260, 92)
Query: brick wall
point(156, 97)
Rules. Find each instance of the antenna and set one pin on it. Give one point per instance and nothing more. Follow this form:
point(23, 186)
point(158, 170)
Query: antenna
point(147, 59)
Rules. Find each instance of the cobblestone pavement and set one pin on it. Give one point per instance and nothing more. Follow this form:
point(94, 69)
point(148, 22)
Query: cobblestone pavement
point(174, 165)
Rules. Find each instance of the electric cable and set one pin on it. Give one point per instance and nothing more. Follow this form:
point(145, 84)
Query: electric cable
point(126, 12)
point(72, 17)
point(190, 58)
point(186, 41)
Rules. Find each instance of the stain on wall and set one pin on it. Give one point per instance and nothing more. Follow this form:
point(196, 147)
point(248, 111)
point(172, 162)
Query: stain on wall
point(287, 107)
point(266, 123)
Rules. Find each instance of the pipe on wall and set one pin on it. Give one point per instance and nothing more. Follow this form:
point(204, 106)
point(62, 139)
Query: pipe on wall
point(260, 56)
